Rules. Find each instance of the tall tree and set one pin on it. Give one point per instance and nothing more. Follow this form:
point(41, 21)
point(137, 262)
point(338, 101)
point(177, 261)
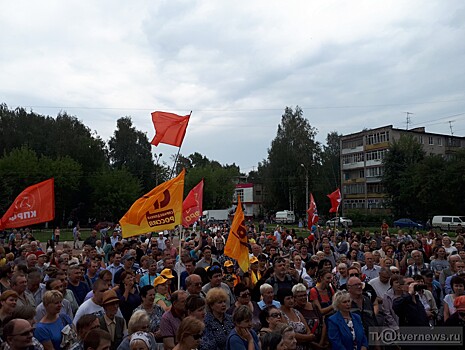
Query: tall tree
point(130, 149)
point(284, 175)
point(399, 170)
point(113, 193)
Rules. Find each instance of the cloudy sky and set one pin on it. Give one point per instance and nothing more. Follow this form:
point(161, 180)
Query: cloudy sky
point(349, 64)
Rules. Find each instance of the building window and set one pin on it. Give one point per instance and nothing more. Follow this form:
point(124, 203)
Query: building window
point(375, 172)
point(420, 139)
point(240, 193)
point(353, 158)
point(362, 174)
point(352, 143)
point(430, 140)
point(258, 193)
point(377, 137)
point(439, 141)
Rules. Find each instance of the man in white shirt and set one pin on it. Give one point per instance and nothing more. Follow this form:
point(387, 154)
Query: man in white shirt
point(370, 269)
point(161, 242)
point(381, 283)
point(94, 304)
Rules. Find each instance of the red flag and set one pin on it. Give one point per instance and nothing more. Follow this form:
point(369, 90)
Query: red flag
point(335, 198)
point(170, 128)
point(192, 205)
point(34, 205)
point(312, 213)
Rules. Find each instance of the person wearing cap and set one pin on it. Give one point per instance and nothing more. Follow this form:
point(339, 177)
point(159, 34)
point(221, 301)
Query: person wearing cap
point(128, 265)
point(169, 273)
point(229, 270)
point(110, 321)
point(207, 259)
point(162, 292)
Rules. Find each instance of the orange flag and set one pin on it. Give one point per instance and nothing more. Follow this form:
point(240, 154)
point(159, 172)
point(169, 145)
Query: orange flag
point(34, 205)
point(158, 210)
point(170, 128)
point(192, 205)
point(237, 245)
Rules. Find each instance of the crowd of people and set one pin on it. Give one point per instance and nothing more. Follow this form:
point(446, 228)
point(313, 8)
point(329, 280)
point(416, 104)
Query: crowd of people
point(312, 290)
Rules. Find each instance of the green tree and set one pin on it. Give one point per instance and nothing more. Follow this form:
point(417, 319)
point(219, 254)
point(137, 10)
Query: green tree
point(282, 172)
point(113, 193)
point(399, 170)
point(131, 149)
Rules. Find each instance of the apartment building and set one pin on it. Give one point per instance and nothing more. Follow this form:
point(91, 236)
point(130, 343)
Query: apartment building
point(362, 155)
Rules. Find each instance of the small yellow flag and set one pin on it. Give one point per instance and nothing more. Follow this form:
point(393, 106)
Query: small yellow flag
point(237, 245)
point(160, 209)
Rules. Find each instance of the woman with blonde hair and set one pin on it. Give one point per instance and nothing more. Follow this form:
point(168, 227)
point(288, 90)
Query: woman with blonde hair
point(48, 330)
point(218, 324)
point(345, 329)
point(189, 333)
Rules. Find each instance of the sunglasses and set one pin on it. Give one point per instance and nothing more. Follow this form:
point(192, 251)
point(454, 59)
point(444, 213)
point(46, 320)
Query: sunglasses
point(245, 295)
point(395, 272)
point(276, 315)
point(197, 336)
point(354, 275)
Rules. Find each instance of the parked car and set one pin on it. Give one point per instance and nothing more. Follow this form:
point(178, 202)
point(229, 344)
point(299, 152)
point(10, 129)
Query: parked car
point(339, 221)
point(448, 222)
point(407, 223)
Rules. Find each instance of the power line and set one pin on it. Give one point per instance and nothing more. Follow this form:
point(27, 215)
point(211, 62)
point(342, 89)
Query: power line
point(242, 109)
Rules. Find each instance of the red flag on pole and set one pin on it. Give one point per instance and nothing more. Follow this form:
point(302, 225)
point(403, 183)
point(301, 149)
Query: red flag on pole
point(335, 198)
point(192, 205)
point(312, 213)
point(34, 205)
point(170, 128)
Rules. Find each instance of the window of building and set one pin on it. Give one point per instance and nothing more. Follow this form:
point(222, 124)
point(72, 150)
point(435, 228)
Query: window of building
point(258, 193)
point(354, 143)
point(439, 141)
point(240, 193)
point(362, 174)
point(377, 137)
point(430, 140)
point(375, 172)
point(420, 139)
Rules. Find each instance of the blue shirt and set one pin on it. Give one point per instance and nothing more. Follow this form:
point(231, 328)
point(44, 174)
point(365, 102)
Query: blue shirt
point(52, 331)
point(236, 342)
point(275, 303)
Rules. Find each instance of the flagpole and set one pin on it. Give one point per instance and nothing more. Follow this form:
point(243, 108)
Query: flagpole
point(177, 155)
point(180, 255)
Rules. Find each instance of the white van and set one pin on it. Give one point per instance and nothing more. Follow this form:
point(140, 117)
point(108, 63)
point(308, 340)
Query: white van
point(285, 217)
point(447, 222)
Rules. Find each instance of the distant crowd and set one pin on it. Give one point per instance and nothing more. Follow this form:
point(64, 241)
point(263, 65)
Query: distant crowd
point(319, 289)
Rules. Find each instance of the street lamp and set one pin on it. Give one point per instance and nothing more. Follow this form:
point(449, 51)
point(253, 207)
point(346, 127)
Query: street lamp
point(306, 185)
point(157, 159)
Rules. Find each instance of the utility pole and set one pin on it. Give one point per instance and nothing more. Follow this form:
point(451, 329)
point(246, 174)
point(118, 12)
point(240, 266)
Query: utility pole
point(408, 118)
point(157, 159)
point(450, 125)
point(306, 186)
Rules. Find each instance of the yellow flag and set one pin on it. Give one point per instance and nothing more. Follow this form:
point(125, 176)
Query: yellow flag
point(160, 209)
point(237, 245)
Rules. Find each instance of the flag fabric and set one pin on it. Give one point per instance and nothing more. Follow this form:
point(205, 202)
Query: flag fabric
point(237, 244)
point(34, 205)
point(160, 209)
point(312, 213)
point(170, 128)
point(335, 198)
point(192, 205)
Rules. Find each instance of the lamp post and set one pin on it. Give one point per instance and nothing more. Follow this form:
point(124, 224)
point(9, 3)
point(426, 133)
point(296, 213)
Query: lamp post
point(157, 160)
point(306, 186)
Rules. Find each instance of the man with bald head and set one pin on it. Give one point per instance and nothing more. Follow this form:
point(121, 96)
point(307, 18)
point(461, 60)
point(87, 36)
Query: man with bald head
point(18, 334)
point(194, 284)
